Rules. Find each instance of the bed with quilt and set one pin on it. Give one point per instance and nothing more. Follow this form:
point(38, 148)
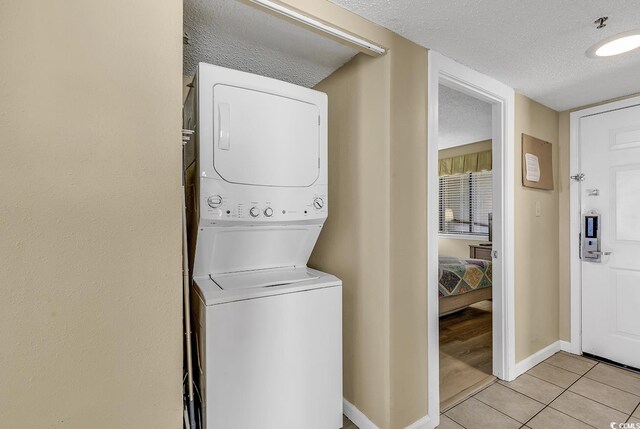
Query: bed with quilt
point(462, 282)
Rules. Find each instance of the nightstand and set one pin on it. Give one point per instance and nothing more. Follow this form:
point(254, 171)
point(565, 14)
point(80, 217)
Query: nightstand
point(480, 252)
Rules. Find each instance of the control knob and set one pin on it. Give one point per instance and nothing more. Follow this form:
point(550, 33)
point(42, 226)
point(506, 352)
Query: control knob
point(318, 203)
point(268, 212)
point(214, 201)
point(254, 212)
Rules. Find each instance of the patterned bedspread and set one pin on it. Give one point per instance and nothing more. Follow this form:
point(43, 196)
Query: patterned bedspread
point(458, 276)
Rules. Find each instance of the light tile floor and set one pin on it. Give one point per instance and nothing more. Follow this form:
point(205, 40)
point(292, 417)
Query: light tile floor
point(563, 392)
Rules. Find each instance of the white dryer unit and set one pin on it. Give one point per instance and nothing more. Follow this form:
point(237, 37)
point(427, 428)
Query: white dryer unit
point(269, 329)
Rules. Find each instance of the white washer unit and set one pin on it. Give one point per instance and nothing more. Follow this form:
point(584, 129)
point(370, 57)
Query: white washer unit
point(269, 329)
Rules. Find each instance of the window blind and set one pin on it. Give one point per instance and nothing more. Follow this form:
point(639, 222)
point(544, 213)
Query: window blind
point(465, 203)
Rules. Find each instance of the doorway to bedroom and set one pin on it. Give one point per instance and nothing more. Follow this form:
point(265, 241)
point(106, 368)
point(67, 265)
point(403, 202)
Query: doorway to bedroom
point(465, 221)
point(491, 308)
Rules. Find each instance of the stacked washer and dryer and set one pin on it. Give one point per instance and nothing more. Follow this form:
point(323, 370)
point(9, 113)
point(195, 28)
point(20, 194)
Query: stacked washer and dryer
point(268, 328)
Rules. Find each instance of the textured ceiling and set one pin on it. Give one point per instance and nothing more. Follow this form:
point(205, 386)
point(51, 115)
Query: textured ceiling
point(231, 34)
point(462, 119)
point(535, 46)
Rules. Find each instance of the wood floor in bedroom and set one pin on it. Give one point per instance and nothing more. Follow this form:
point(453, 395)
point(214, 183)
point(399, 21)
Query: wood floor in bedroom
point(465, 353)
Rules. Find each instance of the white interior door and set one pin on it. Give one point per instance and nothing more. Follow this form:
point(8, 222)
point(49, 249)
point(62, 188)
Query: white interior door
point(610, 160)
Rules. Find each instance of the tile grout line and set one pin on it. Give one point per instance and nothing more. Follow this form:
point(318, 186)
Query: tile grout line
point(607, 384)
point(482, 402)
point(503, 413)
point(545, 406)
point(575, 393)
point(550, 382)
point(565, 390)
point(568, 370)
point(633, 411)
point(575, 418)
point(514, 390)
point(581, 376)
point(614, 387)
point(598, 402)
point(527, 396)
point(454, 420)
point(597, 362)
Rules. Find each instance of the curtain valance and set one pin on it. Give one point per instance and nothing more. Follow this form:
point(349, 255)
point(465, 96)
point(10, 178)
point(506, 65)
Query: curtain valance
point(470, 163)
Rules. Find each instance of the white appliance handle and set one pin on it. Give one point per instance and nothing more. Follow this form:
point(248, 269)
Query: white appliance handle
point(224, 137)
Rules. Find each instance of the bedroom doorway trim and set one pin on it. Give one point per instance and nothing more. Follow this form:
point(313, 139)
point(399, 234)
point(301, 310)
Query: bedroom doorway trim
point(443, 70)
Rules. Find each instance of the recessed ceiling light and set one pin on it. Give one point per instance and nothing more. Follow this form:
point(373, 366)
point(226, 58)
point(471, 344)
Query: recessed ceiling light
point(615, 45)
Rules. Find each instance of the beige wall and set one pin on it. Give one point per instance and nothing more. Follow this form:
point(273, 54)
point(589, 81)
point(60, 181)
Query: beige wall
point(375, 236)
point(536, 238)
point(90, 302)
point(408, 276)
point(354, 244)
point(565, 235)
point(455, 246)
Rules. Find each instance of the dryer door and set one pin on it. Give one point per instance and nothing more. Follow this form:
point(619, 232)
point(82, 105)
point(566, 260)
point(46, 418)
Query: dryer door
point(264, 139)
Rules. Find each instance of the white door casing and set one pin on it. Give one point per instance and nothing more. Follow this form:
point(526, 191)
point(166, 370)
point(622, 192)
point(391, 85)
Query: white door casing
point(457, 76)
point(609, 158)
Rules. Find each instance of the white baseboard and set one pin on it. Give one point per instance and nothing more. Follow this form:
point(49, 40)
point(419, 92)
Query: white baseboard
point(565, 346)
point(526, 364)
point(423, 423)
point(363, 422)
point(357, 416)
